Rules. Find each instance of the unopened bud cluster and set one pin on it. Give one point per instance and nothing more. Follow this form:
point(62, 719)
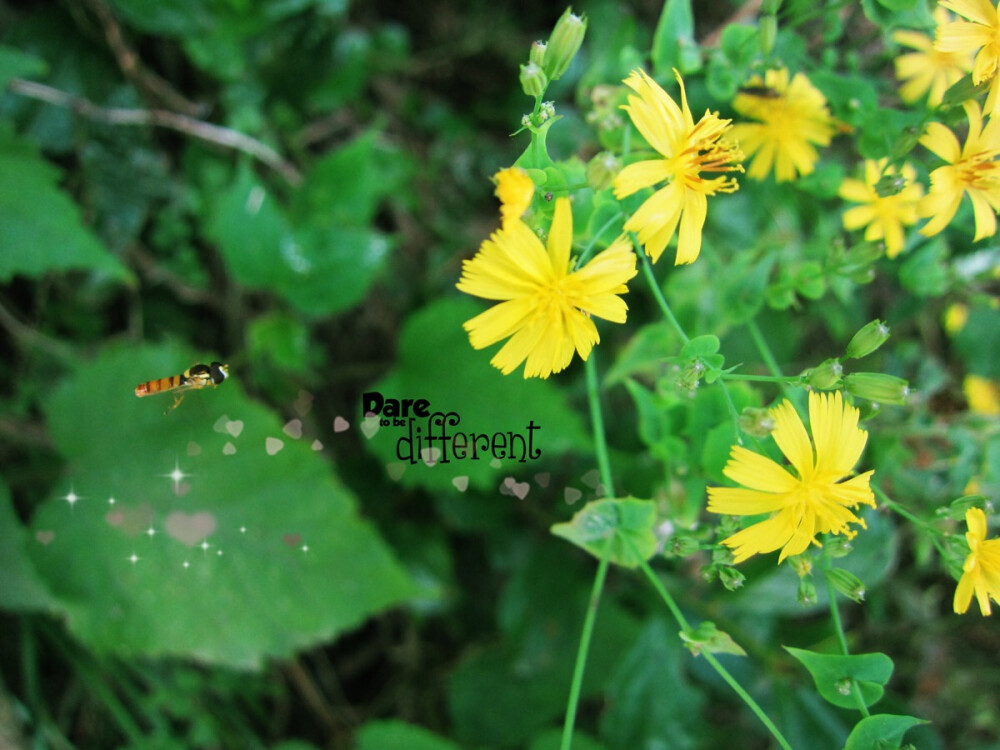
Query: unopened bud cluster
point(548, 61)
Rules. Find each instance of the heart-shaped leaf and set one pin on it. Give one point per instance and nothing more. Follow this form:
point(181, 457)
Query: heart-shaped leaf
point(166, 551)
point(626, 524)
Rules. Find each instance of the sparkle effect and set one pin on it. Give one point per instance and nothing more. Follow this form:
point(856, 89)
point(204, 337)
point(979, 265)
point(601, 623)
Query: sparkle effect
point(686, 149)
point(72, 498)
point(176, 476)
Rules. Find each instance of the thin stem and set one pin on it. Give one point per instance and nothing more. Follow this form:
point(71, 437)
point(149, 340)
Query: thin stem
point(767, 356)
point(838, 627)
point(710, 658)
point(647, 269)
point(588, 250)
point(581, 655)
point(597, 421)
point(761, 378)
point(160, 118)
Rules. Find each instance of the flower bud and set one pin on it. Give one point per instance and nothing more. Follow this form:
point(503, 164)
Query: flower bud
point(875, 386)
point(826, 376)
point(601, 170)
point(537, 53)
point(756, 421)
point(801, 564)
point(533, 80)
point(731, 578)
point(768, 30)
point(868, 339)
point(806, 594)
point(567, 36)
point(681, 545)
point(847, 584)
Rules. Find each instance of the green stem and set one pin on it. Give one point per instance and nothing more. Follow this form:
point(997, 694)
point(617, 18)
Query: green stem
point(647, 269)
point(581, 654)
point(588, 250)
point(838, 627)
point(767, 356)
point(710, 658)
point(597, 421)
point(762, 378)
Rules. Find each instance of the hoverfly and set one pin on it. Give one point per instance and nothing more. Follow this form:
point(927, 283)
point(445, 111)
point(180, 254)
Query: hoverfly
point(194, 378)
point(762, 92)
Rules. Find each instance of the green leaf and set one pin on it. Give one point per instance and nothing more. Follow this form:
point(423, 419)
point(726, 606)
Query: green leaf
point(897, 5)
point(288, 562)
point(700, 346)
point(979, 341)
point(707, 637)
point(17, 64)
point(833, 675)
point(636, 714)
point(626, 524)
point(503, 692)
point(880, 732)
point(925, 271)
point(23, 590)
point(319, 269)
point(40, 227)
point(392, 734)
point(674, 45)
point(551, 739)
point(459, 379)
point(346, 186)
point(644, 353)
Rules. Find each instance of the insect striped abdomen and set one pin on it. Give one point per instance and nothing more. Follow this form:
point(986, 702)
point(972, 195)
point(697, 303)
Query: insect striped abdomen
point(158, 385)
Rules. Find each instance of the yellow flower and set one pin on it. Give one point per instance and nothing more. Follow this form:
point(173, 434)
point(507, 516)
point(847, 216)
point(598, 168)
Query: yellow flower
point(956, 315)
point(688, 149)
point(979, 34)
point(928, 69)
point(981, 571)
point(971, 169)
point(885, 216)
point(515, 191)
point(982, 394)
point(793, 117)
point(545, 307)
point(816, 499)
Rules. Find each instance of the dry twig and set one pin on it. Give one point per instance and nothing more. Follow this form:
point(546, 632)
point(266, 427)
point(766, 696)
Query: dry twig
point(160, 118)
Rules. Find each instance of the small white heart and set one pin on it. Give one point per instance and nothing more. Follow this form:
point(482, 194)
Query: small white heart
point(228, 449)
point(395, 470)
point(461, 483)
point(340, 424)
point(235, 427)
point(293, 429)
point(220, 423)
point(592, 478)
point(572, 494)
point(317, 445)
point(193, 448)
point(430, 456)
point(370, 426)
point(543, 479)
point(272, 445)
point(303, 403)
